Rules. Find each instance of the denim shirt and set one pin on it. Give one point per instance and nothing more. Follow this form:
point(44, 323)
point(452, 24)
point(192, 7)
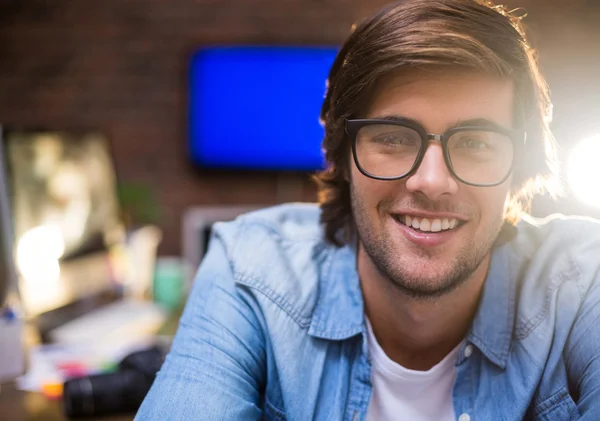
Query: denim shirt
point(274, 328)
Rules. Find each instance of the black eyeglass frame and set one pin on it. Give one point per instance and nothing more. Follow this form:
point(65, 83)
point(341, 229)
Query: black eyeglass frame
point(353, 126)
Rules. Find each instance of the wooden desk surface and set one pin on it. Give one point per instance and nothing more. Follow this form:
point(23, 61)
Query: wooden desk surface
point(24, 406)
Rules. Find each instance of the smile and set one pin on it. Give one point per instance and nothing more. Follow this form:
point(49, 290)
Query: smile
point(428, 224)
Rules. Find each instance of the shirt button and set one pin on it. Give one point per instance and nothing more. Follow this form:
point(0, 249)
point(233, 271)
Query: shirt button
point(468, 353)
point(464, 417)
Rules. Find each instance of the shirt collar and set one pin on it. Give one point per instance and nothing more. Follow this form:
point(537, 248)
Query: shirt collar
point(339, 312)
point(491, 330)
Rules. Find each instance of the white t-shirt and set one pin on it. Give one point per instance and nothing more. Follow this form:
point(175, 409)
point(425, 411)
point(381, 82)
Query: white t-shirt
point(403, 394)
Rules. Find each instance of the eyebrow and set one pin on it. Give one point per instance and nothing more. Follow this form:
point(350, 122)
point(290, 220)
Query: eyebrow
point(479, 122)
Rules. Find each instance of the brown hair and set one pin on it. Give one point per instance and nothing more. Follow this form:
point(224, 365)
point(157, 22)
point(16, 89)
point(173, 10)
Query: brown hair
point(472, 34)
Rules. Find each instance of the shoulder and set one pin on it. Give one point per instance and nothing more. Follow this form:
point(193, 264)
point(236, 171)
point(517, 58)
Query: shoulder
point(557, 239)
point(555, 264)
point(280, 251)
point(279, 229)
point(572, 229)
point(288, 221)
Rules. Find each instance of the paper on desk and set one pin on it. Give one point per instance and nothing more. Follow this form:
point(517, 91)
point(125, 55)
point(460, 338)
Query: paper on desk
point(55, 363)
point(11, 349)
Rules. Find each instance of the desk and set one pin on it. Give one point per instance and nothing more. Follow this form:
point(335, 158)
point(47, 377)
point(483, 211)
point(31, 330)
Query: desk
point(16, 405)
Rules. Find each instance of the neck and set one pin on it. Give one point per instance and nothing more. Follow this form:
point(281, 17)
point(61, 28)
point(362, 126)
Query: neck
point(417, 333)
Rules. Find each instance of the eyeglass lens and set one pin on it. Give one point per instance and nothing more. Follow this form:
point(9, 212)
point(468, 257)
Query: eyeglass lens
point(476, 156)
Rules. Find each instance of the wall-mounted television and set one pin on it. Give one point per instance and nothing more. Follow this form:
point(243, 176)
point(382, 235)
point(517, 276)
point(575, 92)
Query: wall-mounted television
point(257, 108)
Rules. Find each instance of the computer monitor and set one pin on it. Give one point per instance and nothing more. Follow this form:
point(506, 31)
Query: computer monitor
point(59, 214)
point(196, 229)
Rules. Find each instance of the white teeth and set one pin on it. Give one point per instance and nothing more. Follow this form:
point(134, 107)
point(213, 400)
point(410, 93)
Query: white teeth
point(424, 224)
point(415, 223)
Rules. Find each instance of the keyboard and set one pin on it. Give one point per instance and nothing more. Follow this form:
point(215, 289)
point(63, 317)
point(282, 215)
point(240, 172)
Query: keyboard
point(120, 320)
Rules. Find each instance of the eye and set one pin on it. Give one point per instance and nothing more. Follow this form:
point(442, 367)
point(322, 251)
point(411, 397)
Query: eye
point(394, 139)
point(473, 141)
point(475, 144)
point(389, 138)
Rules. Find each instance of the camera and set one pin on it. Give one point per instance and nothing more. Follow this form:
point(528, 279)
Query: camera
point(120, 392)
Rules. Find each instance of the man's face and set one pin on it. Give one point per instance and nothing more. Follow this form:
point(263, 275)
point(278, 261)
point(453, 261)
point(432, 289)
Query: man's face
point(432, 263)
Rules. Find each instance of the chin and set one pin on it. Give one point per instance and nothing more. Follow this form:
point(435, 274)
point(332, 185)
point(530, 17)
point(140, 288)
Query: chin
point(422, 287)
point(415, 275)
point(439, 256)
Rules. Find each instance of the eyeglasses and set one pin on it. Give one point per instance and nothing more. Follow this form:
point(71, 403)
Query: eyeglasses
point(392, 149)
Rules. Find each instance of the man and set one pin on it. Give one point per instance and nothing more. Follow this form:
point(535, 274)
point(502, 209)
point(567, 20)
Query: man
point(415, 291)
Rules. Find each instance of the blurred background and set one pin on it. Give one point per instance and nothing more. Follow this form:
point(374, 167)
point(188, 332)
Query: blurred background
point(122, 68)
point(107, 109)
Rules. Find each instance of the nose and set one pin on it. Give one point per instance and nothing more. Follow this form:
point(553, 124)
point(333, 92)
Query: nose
point(432, 177)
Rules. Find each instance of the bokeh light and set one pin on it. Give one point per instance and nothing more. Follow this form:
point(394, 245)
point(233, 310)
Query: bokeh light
point(583, 171)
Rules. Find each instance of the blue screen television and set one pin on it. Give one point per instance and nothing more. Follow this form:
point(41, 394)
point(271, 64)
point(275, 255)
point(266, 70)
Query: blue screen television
point(257, 108)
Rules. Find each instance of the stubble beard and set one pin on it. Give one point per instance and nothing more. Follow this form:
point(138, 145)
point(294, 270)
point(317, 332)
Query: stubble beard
point(381, 249)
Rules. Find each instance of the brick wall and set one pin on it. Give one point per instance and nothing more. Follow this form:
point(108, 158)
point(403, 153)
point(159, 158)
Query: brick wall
point(121, 66)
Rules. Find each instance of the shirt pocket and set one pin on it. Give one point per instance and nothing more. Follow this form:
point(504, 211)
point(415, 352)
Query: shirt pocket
point(272, 413)
point(558, 407)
